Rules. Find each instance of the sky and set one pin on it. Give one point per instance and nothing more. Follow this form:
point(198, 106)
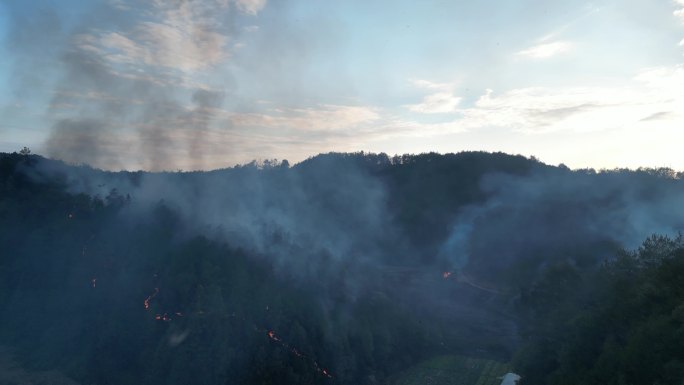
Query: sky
point(205, 84)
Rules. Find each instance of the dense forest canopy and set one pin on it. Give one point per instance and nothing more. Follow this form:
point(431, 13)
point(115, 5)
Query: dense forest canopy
point(344, 268)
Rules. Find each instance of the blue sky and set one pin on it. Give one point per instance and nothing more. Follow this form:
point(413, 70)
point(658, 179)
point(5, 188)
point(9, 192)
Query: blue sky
point(200, 84)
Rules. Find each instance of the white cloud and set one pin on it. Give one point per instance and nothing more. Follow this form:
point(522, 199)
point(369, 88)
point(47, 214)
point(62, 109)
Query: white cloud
point(319, 118)
point(121, 5)
point(540, 110)
point(651, 99)
point(441, 101)
point(426, 84)
point(681, 43)
point(437, 103)
point(679, 13)
point(546, 50)
point(665, 82)
point(653, 92)
point(631, 114)
point(250, 6)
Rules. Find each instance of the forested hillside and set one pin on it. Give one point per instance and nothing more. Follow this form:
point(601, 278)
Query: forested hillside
point(344, 268)
point(621, 324)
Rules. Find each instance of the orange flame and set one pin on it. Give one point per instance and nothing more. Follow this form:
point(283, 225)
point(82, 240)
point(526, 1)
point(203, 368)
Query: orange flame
point(293, 350)
point(446, 274)
point(272, 336)
point(147, 300)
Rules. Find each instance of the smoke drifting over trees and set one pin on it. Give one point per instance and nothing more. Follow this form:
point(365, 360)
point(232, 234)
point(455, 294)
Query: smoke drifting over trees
point(344, 268)
point(347, 268)
point(113, 95)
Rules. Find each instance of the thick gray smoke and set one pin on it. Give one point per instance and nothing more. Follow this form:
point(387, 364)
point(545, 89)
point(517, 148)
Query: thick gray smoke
point(124, 77)
point(357, 229)
point(292, 216)
point(553, 215)
point(129, 98)
point(334, 211)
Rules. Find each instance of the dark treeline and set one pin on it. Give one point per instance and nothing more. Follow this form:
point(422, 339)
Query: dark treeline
point(620, 324)
point(331, 271)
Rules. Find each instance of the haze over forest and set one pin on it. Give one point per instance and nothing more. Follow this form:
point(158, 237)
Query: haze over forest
point(498, 192)
point(344, 268)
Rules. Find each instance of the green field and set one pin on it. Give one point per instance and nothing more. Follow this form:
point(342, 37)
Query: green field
point(454, 370)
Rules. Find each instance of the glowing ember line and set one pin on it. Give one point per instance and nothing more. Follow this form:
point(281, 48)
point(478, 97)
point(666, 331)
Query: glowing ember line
point(147, 300)
point(323, 371)
point(93, 281)
point(271, 334)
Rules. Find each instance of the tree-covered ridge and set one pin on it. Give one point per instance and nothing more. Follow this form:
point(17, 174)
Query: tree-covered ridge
point(78, 277)
point(345, 268)
point(622, 324)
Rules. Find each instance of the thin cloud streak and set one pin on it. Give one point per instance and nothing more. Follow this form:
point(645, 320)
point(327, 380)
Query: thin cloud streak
point(546, 50)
